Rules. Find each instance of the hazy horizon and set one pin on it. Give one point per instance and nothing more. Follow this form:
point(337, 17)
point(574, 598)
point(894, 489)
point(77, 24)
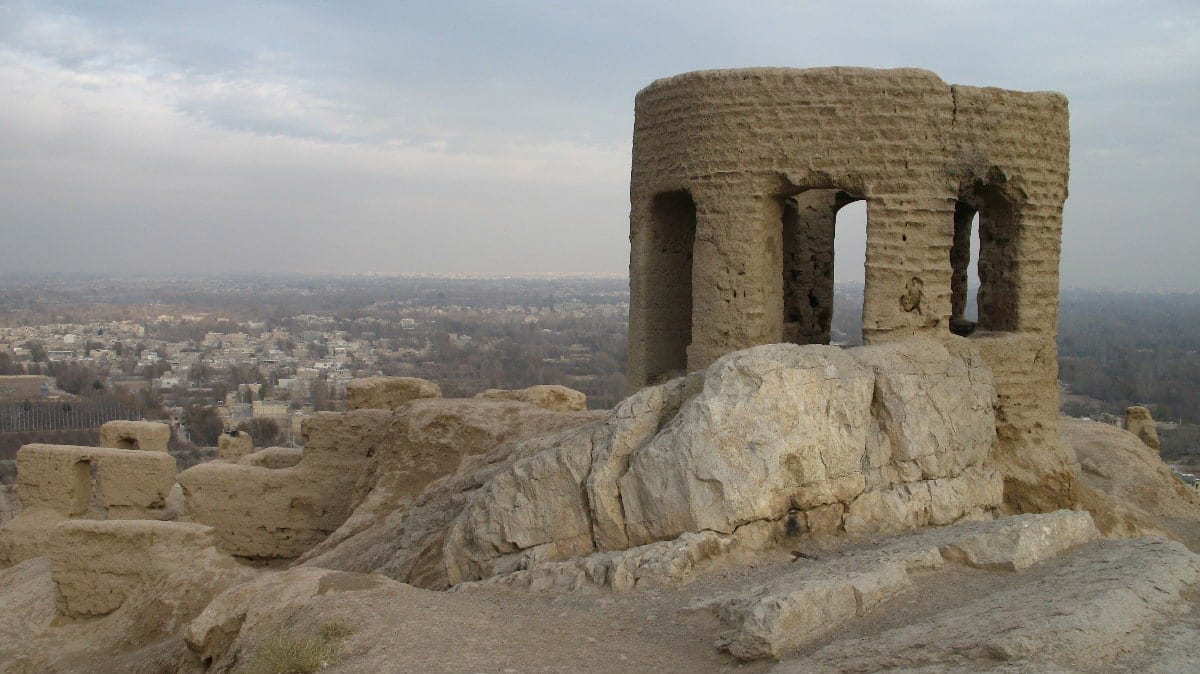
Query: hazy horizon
point(494, 140)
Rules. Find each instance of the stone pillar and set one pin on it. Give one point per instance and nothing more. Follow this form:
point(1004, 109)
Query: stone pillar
point(809, 220)
point(737, 273)
point(960, 259)
point(907, 284)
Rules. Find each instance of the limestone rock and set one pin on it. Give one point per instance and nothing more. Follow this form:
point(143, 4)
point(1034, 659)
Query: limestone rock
point(656, 565)
point(1079, 613)
point(1139, 422)
point(95, 482)
point(806, 606)
point(388, 393)
point(878, 439)
point(1023, 541)
point(432, 439)
point(233, 445)
point(1129, 491)
point(144, 435)
point(549, 396)
point(817, 599)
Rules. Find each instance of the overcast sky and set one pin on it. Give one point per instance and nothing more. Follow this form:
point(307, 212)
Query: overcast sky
point(494, 137)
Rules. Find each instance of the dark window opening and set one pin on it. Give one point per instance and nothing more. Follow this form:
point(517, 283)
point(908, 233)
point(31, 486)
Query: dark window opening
point(815, 312)
point(670, 244)
point(983, 262)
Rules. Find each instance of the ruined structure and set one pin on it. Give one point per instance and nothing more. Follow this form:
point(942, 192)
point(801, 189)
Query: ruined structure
point(737, 179)
point(920, 446)
point(147, 436)
point(1139, 421)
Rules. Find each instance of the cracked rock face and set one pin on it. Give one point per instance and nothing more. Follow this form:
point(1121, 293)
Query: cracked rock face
point(826, 440)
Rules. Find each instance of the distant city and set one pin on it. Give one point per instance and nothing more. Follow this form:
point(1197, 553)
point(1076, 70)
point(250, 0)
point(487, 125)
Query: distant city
point(210, 354)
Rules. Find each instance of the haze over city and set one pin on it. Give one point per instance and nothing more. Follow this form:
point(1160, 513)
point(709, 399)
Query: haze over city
point(384, 137)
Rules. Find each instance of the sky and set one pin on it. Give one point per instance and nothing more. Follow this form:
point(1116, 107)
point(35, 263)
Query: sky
point(494, 137)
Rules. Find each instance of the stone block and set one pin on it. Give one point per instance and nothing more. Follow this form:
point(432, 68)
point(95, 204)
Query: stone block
point(144, 435)
point(95, 482)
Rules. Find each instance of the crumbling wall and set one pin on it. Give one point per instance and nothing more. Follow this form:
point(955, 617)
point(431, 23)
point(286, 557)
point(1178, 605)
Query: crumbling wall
point(1140, 422)
point(269, 505)
point(147, 436)
point(264, 512)
point(388, 393)
point(96, 565)
point(95, 482)
point(233, 445)
point(547, 396)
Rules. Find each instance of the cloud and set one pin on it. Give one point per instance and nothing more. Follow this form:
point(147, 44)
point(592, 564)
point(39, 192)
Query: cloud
point(495, 137)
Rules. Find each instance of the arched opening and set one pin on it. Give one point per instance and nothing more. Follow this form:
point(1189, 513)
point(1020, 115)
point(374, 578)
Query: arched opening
point(822, 229)
point(983, 258)
point(668, 277)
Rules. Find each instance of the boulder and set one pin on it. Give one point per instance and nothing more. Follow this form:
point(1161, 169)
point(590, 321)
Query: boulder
point(1139, 422)
point(1081, 612)
point(144, 435)
point(876, 439)
point(388, 393)
point(1128, 490)
point(1017, 543)
point(819, 598)
point(551, 397)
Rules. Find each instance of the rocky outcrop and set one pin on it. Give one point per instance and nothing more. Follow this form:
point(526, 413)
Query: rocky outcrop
point(1139, 421)
point(1129, 490)
point(813, 439)
point(655, 565)
point(1081, 613)
point(819, 598)
point(147, 436)
point(548, 396)
point(388, 393)
point(429, 440)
